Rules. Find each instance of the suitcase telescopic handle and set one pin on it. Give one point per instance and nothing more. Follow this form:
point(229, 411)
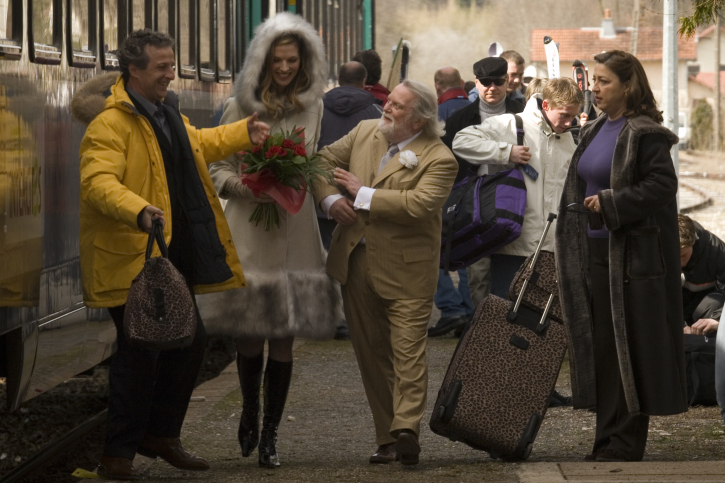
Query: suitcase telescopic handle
point(520, 298)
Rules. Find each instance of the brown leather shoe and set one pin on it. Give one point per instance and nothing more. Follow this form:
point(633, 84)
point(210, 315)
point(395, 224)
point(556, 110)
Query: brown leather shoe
point(407, 447)
point(384, 455)
point(113, 468)
point(172, 452)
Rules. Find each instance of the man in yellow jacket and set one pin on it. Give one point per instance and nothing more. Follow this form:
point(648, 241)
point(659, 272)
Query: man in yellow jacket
point(140, 161)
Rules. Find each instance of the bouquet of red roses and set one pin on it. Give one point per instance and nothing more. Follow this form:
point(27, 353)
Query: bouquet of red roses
point(281, 169)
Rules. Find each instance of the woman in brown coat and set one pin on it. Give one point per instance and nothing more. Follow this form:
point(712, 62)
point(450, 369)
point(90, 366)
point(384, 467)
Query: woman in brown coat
point(618, 264)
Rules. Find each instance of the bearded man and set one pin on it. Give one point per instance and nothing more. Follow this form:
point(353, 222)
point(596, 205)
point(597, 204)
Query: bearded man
point(385, 254)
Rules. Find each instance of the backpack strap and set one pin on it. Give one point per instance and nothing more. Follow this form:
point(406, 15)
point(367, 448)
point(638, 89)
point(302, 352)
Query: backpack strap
point(519, 130)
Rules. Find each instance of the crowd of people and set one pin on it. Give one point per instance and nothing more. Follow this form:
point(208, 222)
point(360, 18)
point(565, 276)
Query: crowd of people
point(368, 245)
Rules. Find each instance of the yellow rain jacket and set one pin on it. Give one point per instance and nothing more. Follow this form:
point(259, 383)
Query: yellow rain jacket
point(122, 172)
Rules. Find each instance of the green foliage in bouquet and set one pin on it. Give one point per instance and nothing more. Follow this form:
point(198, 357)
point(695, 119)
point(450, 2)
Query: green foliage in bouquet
point(282, 169)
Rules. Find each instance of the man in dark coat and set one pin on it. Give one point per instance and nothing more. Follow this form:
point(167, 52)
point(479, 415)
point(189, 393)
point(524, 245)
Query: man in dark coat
point(345, 107)
point(450, 92)
point(702, 256)
point(374, 65)
point(491, 81)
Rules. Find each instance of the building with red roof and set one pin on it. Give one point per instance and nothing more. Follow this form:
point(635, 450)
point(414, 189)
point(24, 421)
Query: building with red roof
point(584, 43)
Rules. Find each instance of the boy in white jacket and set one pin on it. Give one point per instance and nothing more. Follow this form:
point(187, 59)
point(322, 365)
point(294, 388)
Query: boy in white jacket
point(548, 149)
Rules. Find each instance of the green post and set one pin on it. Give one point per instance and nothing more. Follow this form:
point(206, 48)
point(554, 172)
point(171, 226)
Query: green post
point(368, 27)
point(292, 6)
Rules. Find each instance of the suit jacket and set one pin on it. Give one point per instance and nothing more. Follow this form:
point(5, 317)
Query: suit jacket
point(470, 116)
point(403, 227)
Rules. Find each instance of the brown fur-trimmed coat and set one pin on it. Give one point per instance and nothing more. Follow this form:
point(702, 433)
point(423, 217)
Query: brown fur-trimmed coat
point(640, 212)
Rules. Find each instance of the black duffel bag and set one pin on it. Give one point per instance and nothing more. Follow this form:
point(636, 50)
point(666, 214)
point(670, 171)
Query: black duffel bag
point(700, 369)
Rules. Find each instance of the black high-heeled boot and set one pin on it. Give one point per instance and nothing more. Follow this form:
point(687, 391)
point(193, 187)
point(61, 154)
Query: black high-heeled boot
point(277, 379)
point(250, 378)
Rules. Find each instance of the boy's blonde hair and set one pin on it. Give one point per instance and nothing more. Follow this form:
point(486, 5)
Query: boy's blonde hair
point(562, 92)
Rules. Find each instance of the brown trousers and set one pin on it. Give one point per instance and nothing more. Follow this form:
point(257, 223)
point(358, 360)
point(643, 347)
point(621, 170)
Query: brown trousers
point(389, 338)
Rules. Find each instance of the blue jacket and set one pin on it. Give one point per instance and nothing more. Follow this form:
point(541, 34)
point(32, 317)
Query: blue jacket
point(345, 107)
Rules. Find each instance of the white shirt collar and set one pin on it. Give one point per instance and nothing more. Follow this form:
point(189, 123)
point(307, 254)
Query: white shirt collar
point(403, 144)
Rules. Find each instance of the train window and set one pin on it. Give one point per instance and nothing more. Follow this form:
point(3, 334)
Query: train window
point(224, 58)
point(141, 15)
point(186, 39)
point(11, 29)
point(162, 16)
point(206, 40)
point(81, 30)
point(45, 31)
point(109, 31)
point(240, 34)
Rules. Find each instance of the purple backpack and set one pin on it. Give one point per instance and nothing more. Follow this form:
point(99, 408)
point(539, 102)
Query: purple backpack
point(483, 214)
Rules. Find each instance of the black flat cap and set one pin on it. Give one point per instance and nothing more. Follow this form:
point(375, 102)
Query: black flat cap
point(490, 67)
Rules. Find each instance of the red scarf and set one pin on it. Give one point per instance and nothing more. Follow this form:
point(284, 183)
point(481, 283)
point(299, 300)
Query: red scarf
point(455, 93)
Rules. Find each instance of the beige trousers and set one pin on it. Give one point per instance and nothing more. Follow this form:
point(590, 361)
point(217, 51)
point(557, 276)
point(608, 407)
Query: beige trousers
point(389, 338)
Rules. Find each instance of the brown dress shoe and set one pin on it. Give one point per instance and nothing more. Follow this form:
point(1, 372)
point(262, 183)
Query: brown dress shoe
point(384, 455)
point(112, 468)
point(407, 447)
point(172, 452)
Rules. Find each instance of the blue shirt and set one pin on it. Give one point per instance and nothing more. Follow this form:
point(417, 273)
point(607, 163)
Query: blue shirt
point(595, 164)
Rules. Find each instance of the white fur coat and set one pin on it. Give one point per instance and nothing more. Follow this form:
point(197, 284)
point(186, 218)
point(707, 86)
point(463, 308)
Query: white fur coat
point(288, 291)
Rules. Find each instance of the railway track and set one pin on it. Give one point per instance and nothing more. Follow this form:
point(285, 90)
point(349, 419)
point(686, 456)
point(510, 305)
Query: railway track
point(51, 451)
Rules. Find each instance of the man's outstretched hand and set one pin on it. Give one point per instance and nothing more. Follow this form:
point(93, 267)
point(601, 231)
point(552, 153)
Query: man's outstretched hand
point(258, 130)
point(348, 180)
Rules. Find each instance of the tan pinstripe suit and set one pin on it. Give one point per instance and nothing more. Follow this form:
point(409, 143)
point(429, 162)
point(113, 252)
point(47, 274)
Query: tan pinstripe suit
point(388, 284)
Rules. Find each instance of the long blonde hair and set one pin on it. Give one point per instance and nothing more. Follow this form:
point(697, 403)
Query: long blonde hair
point(278, 100)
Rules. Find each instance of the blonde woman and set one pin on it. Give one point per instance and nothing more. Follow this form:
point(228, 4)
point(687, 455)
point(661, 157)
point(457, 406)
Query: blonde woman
point(288, 293)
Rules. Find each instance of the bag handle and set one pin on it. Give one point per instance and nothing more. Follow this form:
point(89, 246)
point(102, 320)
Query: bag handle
point(157, 233)
point(513, 311)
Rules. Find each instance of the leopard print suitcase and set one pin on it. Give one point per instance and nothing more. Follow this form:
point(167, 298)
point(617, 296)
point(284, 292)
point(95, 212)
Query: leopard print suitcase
point(496, 391)
point(540, 287)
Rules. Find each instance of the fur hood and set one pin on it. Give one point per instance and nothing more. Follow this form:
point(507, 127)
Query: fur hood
point(246, 85)
point(90, 100)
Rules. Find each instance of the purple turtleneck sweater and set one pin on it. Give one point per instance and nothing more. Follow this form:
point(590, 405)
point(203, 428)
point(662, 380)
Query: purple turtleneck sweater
point(595, 164)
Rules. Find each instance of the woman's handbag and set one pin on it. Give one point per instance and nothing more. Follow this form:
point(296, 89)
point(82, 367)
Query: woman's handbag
point(160, 311)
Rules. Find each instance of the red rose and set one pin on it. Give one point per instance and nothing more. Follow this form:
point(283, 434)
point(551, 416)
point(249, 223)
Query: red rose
point(300, 131)
point(256, 149)
point(300, 150)
point(288, 143)
point(273, 151)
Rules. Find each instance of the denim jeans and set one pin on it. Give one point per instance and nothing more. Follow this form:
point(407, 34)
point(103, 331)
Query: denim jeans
point(452, 301)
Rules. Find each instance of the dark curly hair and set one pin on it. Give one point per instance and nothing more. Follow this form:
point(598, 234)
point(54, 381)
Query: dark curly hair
point(133, 49)
point(627, 68)
point(373, 64)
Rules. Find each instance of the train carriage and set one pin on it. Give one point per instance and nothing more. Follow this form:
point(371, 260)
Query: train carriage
point(48, 49)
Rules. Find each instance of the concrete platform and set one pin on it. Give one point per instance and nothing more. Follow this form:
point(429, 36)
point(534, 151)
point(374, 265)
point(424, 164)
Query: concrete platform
point(654, 472)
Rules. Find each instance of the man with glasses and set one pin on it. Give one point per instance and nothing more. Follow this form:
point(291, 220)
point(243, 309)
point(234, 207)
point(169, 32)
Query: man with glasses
point(491, 82)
